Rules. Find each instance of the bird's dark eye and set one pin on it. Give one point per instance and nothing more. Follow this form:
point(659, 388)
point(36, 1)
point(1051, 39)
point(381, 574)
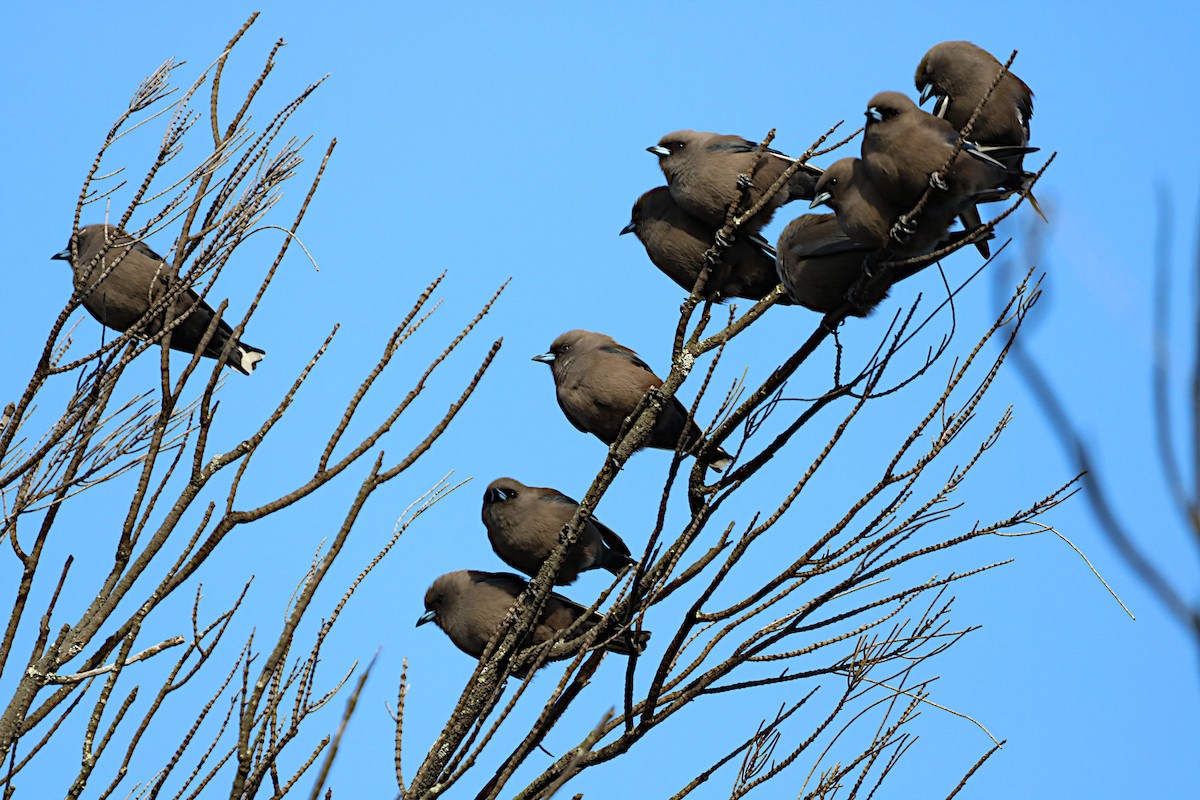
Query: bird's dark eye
point(509, 494)
point(562, 348)
point(678, 145)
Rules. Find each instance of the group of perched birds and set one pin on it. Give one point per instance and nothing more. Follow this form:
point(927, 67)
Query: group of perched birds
point(910, 159)
point(905, 152)
point(523, 524)
point(598, 384)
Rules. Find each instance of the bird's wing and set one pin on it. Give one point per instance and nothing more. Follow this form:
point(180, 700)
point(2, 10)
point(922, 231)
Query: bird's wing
point(141, 248)
point(556, 497)
point(765, 247)
point(567, 413)
point(611, 540)
point(607, 534)
point(506, 581)
point(628, 355)
point(831, 244)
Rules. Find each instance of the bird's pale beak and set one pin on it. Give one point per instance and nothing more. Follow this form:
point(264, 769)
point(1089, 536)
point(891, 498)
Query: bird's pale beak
point(545, 358)
point(64, 255)
point(494, 496)
point(659, 151)
point(428, 616)
point(630, 228)
point(926, 93)
point(874, 113)
point(820, 200)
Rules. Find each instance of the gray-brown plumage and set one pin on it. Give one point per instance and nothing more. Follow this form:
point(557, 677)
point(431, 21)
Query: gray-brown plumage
point(703, 172)
point(819, 264)
point(524, 523)
point(903, 147)
point(599, 382)
point(676, 242)
point(123, 279)
point(469, 605)
point(958, 74)
point(866, 215)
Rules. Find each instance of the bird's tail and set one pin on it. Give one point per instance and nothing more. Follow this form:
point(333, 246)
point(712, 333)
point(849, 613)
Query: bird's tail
point(246, 358)
point(971, 220)
point(1020, 183)
point(615, 562)
point(722, 460)
point(628, 642)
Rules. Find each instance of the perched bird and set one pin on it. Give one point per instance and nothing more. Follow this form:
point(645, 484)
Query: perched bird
point(122, 279)
point(703, 172)
point(524, 523)
point(866, 215)
point(469, 605)
point(958, 74)
point(676, 242)
point(599, 382)
point(904, 149)
point(819, 264)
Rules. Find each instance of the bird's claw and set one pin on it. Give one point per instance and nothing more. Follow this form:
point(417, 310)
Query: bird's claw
point(722, 240)
point(938, 181)
point(744, 181)
point(903, 230)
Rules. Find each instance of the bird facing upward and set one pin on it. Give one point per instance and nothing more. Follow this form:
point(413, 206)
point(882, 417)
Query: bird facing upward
point(123, 279)
point(598, 384)
point(524, 524)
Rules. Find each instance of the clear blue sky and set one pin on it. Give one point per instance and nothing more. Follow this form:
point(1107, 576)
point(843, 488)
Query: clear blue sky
point(494, 142)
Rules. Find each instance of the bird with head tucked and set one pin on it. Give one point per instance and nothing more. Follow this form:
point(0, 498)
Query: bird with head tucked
point(524, 523)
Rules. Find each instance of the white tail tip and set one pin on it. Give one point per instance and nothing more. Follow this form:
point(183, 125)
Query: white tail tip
point(249, 359)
